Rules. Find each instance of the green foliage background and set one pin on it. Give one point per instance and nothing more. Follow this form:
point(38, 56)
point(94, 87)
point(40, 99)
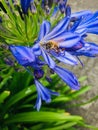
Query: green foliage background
point(17, 90)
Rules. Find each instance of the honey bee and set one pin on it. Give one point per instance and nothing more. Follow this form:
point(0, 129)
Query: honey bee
point(52, 45)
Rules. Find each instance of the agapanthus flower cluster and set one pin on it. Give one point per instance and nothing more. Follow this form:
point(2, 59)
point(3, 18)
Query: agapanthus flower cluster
point(45, 4)
point(64, 42)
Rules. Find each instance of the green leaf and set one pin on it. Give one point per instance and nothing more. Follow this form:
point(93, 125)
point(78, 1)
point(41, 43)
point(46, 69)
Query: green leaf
point(20, 95)
point(38, 126)
point(42, 117)
point(61, 98)
point(9, 13)
point(5, 128)
point(63, 126)
point(4, 95)
point(75, 94)
point(88, 126)
point(88, 101)
point(4, 81)
point(83, 78)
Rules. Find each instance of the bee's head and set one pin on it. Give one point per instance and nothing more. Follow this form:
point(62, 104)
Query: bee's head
point(48, 45)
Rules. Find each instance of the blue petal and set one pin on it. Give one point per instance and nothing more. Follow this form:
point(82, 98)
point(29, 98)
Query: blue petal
point(61, 32)
point(93, 30)
point(78, 46)
point(58, 29)
point(25, 4)
point(62, 5)
point(43, 3)
point(89, 49)
point(53, 93)
point(48, 59)
point(81, 14)
point(68, 40)
point(93, 24)
point(24, 55)
point(44, 29)
point(82, 31)
point(66, 58)
point(91, 17)
point(90, 23)
point(36, 49)
point(67, 77)
point(68, 10)
point(93, 27)
point(43, 93)
point(38, 102)
point(75, 25)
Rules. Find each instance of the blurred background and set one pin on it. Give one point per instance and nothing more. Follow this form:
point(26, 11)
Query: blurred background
point(90, 69)
point(18, 102)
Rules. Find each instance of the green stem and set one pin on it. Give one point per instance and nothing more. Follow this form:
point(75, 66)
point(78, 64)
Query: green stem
point(25, 20)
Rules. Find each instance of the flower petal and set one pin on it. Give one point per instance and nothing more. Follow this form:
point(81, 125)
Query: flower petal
point(53, 93)
point(44, 29)
point(36, 49)
point(38, 102)
point(62, 5)
point(48, 59)
point(75, 25)
point(68, 40)
point(81, 13)
point(89, 49)
point(68, 10)
point(81, 31)
point(66, 58)
point(68, 77)
point(24, 55)
point(43, 93)
point(59, 28)
point(90, 23)
point(25, 4)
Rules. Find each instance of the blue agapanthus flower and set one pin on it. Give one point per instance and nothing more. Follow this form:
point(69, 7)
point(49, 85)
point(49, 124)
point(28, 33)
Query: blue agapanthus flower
point(88, 22)
point(53, 42)
point(30, 56)
point(26, 57)
point(85, 22)
point(63, 42)
point(25, 4)
point(45, 4)
point(62, 5)
point(29, 4)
